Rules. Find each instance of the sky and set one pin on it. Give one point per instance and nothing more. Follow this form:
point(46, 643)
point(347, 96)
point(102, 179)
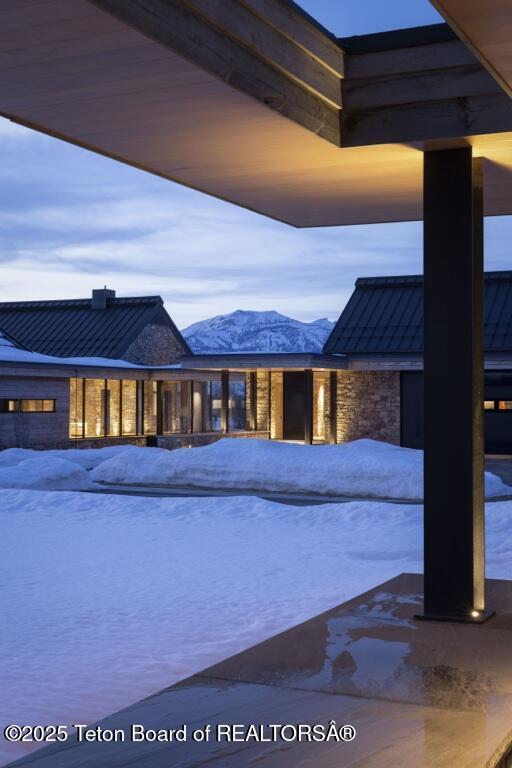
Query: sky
point(71, 221)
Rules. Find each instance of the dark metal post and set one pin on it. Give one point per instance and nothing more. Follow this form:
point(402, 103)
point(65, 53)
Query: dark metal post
point(224, 403)
point(253, 400)
point(159, 408)
point(308, 406)
point(454, 452)
point(333, 400)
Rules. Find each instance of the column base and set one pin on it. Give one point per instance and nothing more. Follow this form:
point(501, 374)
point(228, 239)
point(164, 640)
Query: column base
point(480, 618)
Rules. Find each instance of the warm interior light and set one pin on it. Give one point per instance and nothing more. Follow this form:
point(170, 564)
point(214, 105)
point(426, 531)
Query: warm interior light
point(475, 614)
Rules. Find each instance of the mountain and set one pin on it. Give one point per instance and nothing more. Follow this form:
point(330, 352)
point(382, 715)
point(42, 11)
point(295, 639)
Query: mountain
point(243, 331)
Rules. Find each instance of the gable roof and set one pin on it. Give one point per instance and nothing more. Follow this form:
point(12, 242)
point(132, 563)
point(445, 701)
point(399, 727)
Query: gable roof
point(385, 315)
point(72, 328)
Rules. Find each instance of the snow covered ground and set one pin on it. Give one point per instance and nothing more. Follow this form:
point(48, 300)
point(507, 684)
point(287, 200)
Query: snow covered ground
point(359, 468)
point(109, 598)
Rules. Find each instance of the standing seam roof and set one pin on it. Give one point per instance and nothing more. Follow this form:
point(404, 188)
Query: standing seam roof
point(385, 315)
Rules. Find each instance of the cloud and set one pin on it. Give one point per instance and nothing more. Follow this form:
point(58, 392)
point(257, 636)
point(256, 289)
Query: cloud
point(71, 221)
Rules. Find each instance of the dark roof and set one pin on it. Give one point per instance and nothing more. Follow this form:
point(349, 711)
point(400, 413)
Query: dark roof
point(384, 315)
point(14, 342)
point(397, 38)
point(71, 328)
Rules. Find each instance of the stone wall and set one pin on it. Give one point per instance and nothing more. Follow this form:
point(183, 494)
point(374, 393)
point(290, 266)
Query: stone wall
point(368, 406)
point(155, 345)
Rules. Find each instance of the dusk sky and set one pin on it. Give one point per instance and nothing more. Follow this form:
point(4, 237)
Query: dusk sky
point(71, 221)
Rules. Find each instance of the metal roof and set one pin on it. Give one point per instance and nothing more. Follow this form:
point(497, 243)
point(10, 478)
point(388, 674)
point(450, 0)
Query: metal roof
point(384, 315)
point(71, 328)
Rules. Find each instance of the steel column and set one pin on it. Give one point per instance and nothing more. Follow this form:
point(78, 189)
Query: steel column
point(253, 399)
point(308, 406)
point(333, 400)
point(454, 450)
point(224, 406)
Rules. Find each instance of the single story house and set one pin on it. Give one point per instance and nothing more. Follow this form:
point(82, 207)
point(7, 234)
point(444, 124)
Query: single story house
point(104, 370)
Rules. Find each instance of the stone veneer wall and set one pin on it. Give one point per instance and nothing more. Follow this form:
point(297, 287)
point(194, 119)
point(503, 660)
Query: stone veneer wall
point(368, 406)
point(155, 345)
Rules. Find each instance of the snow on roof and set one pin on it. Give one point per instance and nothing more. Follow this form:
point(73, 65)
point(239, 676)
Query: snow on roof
point(10, 354)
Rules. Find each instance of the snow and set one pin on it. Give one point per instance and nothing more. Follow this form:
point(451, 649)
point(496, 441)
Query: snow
point(111, 598)
point(250, 331)
point(360, 468)
point(86, 457)
point(11, 354)
point(46, 473)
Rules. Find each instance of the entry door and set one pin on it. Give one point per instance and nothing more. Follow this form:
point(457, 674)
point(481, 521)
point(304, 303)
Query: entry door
point(294, 405)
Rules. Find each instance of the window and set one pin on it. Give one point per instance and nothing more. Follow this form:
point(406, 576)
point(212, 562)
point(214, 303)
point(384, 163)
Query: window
point(489, 405)
point(237, 409)
point(95, 407)
point(27, 406)
point(113, 407)
point(321, 406)
point(206, 406)
point(129, 408)
point(150, 404)
point(176, 414)
point(505, 405)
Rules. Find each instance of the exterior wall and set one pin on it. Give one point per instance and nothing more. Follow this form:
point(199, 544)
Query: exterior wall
point(368, 406)
point(35, 430)
point(263, 400)
point(155, 345)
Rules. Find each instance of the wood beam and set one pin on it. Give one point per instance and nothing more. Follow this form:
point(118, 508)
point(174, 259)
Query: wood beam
point(282, 82)
point(423, 93)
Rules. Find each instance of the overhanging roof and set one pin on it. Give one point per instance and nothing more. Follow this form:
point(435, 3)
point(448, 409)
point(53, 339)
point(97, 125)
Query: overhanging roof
point(252, 102)
point(278, 361)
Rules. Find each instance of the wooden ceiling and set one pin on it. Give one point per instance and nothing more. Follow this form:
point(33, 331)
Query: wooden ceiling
point(486, 27)
point(72, 70)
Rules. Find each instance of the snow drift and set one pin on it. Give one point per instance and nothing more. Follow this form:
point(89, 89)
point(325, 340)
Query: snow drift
point(85, 457)
point(360, 468)
point(47, 473)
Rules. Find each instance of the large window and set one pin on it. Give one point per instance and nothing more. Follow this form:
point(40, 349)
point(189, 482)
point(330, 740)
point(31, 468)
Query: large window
point(113, 408)
point(27, 406)
point(237, 410)
point(176, 406)
point(206, 406)
point(95, 399)
point(150, 407)
point(321, 406)
point(128, 407)
point(102, 408)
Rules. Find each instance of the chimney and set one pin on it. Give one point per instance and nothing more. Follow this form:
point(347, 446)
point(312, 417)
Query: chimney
point(101, 297)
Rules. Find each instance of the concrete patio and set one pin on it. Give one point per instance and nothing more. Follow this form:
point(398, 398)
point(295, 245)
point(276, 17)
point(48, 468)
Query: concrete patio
point(420, 694)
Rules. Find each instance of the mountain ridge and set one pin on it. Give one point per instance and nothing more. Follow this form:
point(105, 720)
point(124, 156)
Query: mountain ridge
point(253, 331)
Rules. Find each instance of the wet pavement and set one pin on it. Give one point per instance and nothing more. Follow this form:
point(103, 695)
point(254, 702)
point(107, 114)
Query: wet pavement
point(417, 694)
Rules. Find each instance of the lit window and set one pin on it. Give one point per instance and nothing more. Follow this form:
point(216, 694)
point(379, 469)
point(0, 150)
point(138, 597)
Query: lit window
point(488, 405)
point(505, 405)
point(27, 406)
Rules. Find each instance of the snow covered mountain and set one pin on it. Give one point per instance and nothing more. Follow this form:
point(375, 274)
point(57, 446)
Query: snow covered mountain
point(243, 331)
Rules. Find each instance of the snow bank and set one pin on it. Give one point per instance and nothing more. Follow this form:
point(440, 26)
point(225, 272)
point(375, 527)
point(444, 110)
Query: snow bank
point(361, 468)
point(86, 457)
point(46, 473)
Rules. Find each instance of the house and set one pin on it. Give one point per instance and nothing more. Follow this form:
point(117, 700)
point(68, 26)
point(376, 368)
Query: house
point(381, 333)
point(137, 329)
point(106, 370)
point(98, 371)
